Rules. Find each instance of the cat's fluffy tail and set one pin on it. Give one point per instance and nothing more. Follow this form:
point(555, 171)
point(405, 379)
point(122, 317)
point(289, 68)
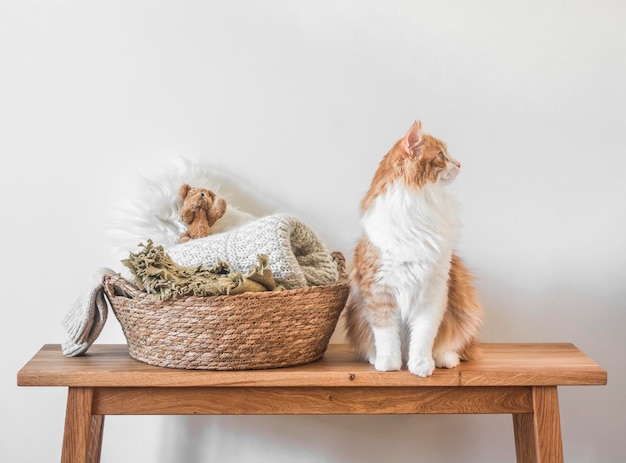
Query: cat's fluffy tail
point(464, 316)
point(358, 330)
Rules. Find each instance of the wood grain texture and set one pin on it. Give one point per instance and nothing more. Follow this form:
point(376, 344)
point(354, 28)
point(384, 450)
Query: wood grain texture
point(500, 365)
point(311, 400)
point(538, 434)
point(96, 432)
point(525, 438)
point(552, 364)
point(78, 426)
point(547, 424)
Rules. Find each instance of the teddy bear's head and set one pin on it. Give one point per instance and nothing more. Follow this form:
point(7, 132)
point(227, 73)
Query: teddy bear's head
point(196, 198)
point(200, 210)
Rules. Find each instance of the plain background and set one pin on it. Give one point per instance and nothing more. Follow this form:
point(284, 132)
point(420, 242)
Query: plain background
point(299, 100)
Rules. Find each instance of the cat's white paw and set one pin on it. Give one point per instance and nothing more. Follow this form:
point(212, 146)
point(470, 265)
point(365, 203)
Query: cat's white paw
point(448, 359)
point(388, 363)
point(422, 367)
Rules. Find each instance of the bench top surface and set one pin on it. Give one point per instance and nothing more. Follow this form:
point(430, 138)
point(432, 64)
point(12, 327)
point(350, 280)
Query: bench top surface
point(109, 365)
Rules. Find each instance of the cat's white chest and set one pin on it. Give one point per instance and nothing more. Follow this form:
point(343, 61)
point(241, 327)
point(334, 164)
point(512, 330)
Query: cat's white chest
point(412, 226)
point(414, 233)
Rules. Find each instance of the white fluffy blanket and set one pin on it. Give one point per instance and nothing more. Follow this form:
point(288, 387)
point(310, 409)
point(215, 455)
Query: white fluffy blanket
point(151, 209)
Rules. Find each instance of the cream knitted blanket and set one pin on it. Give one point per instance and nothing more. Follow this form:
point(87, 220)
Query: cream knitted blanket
point(296, 254)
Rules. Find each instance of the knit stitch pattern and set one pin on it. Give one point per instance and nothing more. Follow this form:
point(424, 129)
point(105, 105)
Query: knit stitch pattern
point(297, 256)
point(86, 317)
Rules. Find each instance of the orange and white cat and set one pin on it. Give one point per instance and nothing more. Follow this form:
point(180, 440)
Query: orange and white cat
point(412, 300)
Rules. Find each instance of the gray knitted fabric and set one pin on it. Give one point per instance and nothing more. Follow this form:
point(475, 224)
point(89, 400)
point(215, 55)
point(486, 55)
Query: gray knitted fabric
point(296, 254)
point(87, 316)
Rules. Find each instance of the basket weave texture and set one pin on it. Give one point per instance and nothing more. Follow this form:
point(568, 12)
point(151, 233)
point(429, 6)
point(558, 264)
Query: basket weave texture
point(254, 330)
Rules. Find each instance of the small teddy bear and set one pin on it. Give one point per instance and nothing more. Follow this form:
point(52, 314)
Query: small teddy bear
point(200, 211)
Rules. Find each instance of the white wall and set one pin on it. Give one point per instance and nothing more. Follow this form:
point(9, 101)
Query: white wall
point(300, 100)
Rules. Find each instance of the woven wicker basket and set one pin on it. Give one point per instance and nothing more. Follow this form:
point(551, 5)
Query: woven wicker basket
point(256, 330)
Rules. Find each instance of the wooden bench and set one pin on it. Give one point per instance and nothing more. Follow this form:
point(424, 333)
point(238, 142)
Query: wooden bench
point(520, 379)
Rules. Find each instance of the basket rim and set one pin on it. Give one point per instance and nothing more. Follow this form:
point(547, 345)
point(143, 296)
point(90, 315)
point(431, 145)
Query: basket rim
point(114, 279)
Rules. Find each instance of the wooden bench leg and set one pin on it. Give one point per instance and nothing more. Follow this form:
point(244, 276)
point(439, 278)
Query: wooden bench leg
point(82, 439)
point(538, 434)
point(95, 439)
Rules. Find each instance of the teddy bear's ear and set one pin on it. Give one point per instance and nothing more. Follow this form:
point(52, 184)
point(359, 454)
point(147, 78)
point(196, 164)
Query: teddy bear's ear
point(184, 189)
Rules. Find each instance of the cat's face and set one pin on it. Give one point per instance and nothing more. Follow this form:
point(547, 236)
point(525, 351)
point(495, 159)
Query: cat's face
point(425, 159)
point(416, 160)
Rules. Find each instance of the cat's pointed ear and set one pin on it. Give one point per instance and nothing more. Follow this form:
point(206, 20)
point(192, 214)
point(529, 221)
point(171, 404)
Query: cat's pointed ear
point(413, 139)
